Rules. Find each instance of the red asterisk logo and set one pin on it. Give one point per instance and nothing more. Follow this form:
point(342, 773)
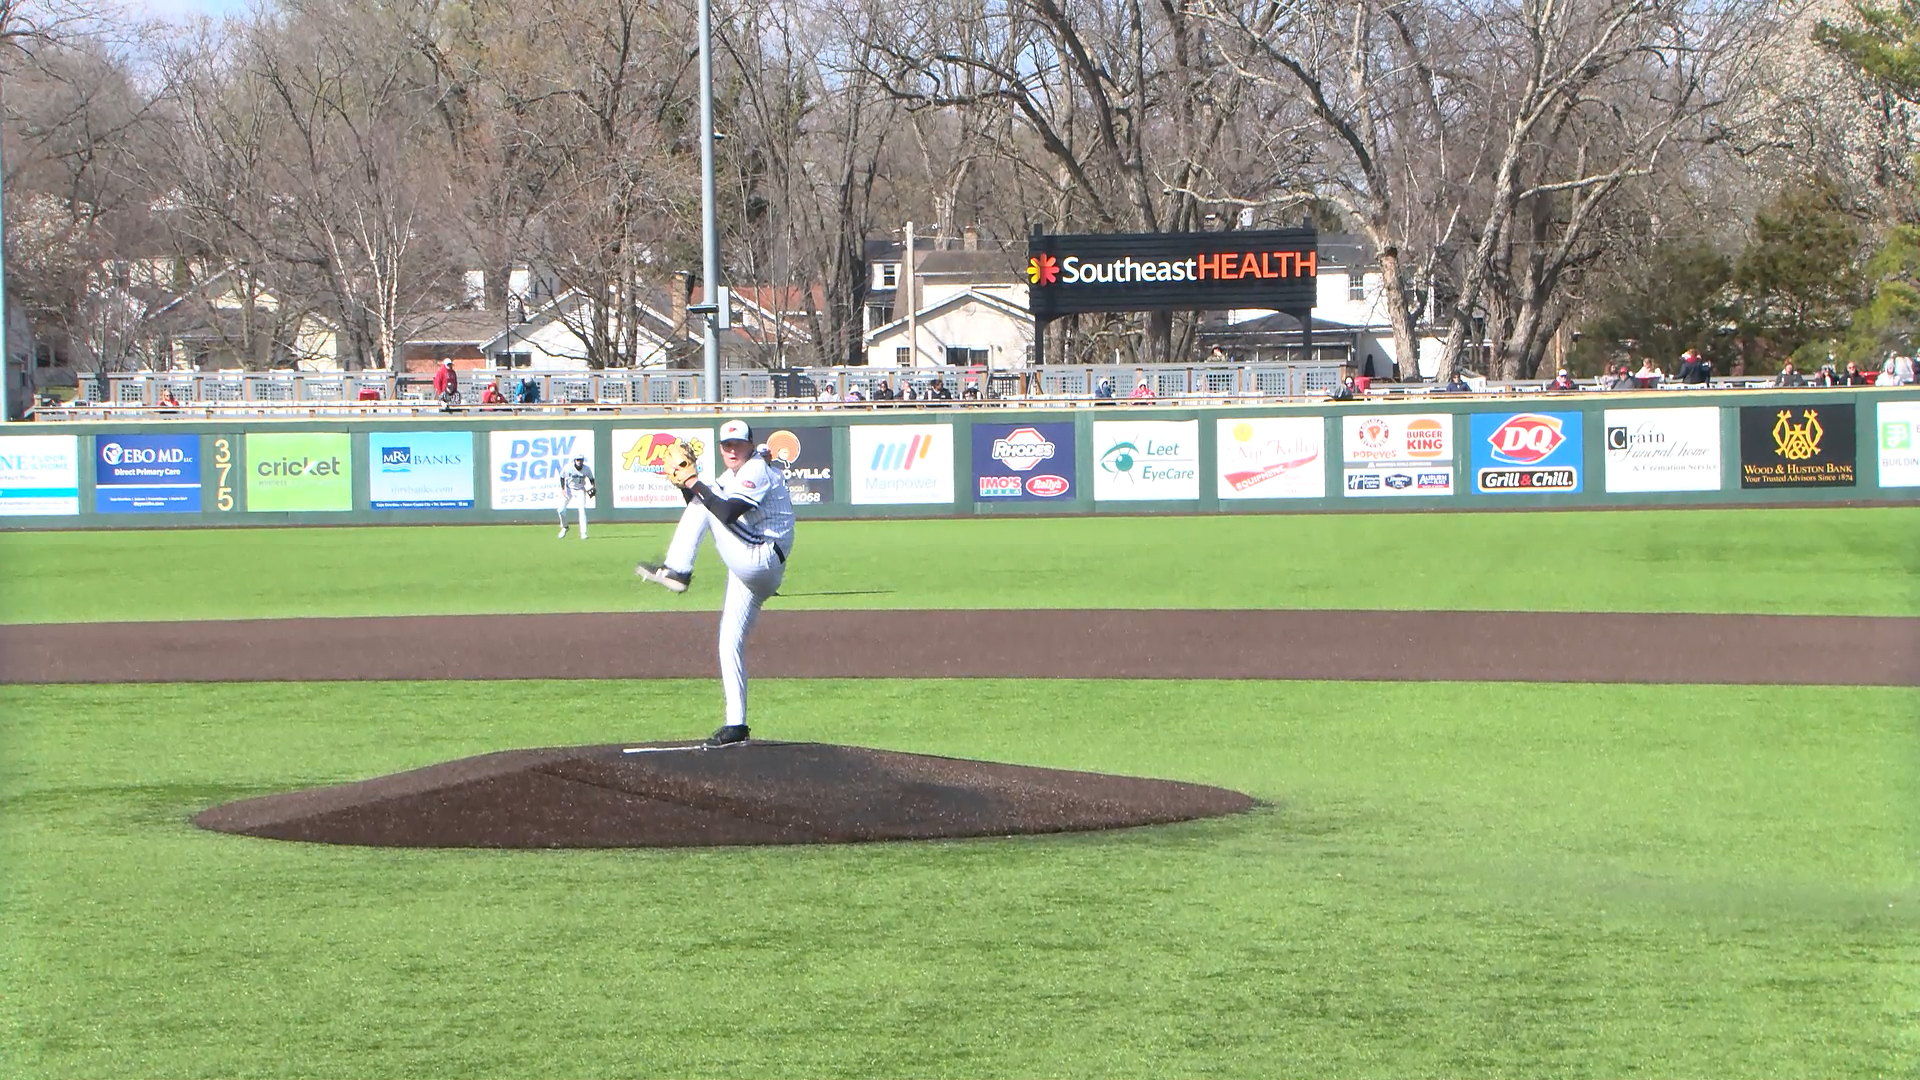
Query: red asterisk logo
point(1043, 270)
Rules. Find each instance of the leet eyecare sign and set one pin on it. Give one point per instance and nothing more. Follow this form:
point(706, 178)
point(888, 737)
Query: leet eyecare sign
point(1784, 446)
point(299, 470)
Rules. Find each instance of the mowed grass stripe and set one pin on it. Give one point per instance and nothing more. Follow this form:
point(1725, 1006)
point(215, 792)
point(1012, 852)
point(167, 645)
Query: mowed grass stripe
point(1453, 879)
point(1860, 561)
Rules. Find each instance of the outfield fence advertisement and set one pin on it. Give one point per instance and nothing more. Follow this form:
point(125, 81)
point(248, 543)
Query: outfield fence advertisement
point(901, 464)
point(1898, 424)
point(1838, 445)
point(1662, 449)
point(303, 470)
point(1787, 446)
point(1526, 453)
point(420, 470)
point(135, 473)
point(39, 475)
point(1271, 457)
point(639, 469)
point(527, 465)
point(804, 455)
point(1399, 454)
point(1146, 460)
point(1022, 462)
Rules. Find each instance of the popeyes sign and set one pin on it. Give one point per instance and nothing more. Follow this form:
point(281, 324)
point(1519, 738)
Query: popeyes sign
point(1273, 268)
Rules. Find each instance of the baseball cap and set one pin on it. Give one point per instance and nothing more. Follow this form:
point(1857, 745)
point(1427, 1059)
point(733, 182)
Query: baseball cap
point(736, 431)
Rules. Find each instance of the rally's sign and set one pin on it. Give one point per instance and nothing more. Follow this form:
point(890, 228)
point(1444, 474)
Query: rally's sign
point(1663, 449)
point(526, 465)
point(39, 475)
point(901, 464)
point(1022, 462)
point(1272, 457)
point(639, 465)
point(420, 470)
point(146, 474)
point(1273, 268)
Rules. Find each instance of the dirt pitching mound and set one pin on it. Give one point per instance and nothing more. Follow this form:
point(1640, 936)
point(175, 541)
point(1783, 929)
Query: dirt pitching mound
point(681, 795)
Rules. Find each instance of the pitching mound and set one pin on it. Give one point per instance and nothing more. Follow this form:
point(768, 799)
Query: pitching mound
point(680, 795)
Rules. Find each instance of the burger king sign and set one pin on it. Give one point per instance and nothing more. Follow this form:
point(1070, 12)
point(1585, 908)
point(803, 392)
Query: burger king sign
point(1397, 454)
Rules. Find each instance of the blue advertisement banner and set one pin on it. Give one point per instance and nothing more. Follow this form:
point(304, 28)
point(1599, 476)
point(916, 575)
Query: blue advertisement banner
point(1030, 462)
point(1526, 453)
point(146, 474)
point(420, 470)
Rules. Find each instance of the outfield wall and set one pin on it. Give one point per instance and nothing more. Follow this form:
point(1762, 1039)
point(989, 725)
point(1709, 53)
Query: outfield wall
point(1537, 451)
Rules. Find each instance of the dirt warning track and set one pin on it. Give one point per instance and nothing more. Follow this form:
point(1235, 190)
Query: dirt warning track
point(1138, 644)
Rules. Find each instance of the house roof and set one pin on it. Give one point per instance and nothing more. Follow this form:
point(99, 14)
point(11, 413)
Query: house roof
point(461, 327)
point(997, 303)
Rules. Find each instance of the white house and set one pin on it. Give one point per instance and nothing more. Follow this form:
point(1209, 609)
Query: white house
point(969, 307)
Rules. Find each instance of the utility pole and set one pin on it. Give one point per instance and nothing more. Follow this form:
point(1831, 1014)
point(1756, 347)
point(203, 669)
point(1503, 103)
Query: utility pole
point(6, 358)
point(913, 317)
point(709, 216)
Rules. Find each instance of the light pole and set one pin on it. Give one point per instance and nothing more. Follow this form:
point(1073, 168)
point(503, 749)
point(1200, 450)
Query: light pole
point(709, 219)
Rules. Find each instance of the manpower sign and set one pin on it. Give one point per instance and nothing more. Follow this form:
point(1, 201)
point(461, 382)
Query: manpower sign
point(1273, 268)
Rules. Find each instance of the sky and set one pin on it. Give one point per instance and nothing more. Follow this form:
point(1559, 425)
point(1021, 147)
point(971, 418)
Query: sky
point(182, 10)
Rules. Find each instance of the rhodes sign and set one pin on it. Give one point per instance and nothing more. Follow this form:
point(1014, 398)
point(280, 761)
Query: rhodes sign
point(1207, 271)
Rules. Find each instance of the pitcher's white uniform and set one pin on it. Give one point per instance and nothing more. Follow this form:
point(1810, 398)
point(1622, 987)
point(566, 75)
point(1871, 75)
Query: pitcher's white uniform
point(576, 480)
point(755, 547)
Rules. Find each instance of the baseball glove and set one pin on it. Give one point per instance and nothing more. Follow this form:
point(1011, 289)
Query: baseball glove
point(679, 464)
point(592, 492)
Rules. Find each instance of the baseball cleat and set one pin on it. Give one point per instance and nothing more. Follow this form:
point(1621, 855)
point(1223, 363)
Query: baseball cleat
point(563, 532)
point(728, 735)
point(671, 580)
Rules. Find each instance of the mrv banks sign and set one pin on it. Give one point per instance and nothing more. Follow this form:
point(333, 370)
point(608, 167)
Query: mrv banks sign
point(1272, 268)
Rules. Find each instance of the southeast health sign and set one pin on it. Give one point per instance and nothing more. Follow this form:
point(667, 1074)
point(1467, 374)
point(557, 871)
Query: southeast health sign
point(1526, 453)
point(420, 470)
point(146, 474)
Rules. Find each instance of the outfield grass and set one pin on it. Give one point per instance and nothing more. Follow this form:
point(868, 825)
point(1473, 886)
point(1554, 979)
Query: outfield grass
point(1450, 880)
point(1862, 561)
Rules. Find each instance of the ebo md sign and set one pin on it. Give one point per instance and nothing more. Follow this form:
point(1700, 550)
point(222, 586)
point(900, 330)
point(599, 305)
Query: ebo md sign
point(1209, 271)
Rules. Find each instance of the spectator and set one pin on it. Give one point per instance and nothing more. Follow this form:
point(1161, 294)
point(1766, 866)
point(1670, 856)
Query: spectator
point(1789, 377)
point(1648, 377)
point(940, 391)
point(492, 395)
point(529, 392)
point(883, 391)
point(1141, 390)
point(1897, 371)
point(1456, 383)
point(827, 392)
point(1855, 377)
point(167, 400)
point(1103, 390)
point(1344, 391)
point(446, 385)
point(970, 392)
point(1694, 370)
point(854, 396)
point(1563, 381)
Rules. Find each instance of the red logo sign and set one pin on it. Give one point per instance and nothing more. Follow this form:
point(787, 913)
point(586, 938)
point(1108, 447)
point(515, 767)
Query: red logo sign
point(1043, 270)
point(1047, 486)
point(1526, 438)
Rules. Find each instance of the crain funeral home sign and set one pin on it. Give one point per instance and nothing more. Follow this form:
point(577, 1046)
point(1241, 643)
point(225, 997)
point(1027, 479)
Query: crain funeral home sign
point(1206, 271)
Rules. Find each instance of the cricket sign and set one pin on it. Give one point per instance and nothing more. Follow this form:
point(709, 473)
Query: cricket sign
point(1663, 449)
point(526, 465)
point(1272, 458)
point(39, 475)
point(1022, 462)
point(304, 470)
point(901, 464)
point(1274, 268)
point(1526, 453)
point(1146, 460)
point(1797, 446)
point(1397, 455)
point(639, 472)
point(803, 453)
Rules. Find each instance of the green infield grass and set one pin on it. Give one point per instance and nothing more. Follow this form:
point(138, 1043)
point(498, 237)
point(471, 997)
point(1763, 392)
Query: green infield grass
point(1846, 561)
point(1451, 880)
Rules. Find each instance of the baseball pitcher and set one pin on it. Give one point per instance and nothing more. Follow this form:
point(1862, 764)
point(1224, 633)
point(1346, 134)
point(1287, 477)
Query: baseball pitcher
point(749, 515)
point(576, 486)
